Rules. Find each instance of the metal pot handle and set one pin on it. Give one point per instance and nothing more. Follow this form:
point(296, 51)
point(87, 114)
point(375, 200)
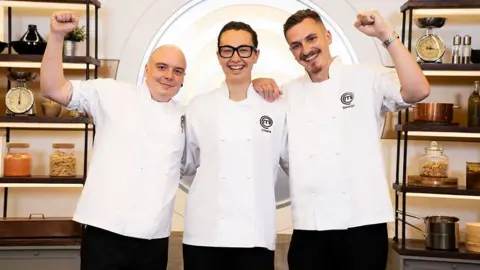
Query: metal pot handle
point(35, 214)
point(412, 215)
point(415, 227)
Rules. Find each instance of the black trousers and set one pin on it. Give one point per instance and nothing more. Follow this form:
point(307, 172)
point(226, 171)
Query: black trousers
point(359, 248)
point(219, 258)
point(104, 250)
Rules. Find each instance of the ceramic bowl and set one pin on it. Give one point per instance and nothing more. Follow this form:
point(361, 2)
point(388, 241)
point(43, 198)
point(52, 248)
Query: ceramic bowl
point(51, 109)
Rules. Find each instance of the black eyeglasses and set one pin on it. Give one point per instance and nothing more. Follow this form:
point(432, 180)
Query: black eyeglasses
point(243, 51)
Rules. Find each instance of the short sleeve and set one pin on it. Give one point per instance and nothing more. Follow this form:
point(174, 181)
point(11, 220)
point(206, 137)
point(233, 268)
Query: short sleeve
point(387, 86)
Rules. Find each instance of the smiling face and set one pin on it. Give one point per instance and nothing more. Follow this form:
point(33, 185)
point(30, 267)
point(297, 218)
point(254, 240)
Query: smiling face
point(309, 42)
point(165, 72)
point(237, 55)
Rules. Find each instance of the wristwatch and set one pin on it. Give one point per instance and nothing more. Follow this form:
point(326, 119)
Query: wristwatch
point(390, 39)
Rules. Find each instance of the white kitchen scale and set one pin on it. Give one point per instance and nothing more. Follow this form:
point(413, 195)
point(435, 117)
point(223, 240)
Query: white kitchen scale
point(20, 100)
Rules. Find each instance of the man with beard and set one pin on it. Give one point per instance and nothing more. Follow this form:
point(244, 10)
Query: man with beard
point(236, 139)
point(340, 199)
point(127, 202)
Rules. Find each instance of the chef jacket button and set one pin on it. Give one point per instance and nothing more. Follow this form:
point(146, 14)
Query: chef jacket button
point(338, 153)
point(334, 117)
point(249, 177)
point(223, 177)
point(249, 140)
point(314, 194)
point(312, 155)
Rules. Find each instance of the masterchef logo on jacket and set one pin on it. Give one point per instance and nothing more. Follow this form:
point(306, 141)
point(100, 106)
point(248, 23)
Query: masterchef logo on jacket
point(347, 99)
point(266, 122)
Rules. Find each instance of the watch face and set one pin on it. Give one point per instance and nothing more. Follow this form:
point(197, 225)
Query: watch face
point(19, 100)
point(430, 48)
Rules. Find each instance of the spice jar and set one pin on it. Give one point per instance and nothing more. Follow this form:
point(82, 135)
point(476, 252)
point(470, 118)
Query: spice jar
point(434, 163)
point(473, 175)
point(63, 161)
point(17, 161)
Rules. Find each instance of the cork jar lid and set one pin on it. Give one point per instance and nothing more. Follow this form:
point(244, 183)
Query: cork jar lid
point(63, 145)
point(18, 145)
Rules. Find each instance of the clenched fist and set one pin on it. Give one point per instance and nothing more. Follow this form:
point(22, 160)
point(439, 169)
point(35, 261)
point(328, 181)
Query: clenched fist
point(62, 23)
point(371, 23)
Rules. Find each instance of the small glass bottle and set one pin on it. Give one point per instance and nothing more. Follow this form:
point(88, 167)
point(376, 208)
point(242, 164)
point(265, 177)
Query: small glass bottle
point(17, 161)
point(474, 107)
point(63, 161)
point(434, 163)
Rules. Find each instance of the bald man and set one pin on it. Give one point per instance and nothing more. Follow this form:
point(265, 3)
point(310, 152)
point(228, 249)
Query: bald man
point(127, 201)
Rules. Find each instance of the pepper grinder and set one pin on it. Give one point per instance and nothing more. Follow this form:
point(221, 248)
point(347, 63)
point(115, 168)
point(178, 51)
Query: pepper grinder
point(457, 41)
point(467, 49)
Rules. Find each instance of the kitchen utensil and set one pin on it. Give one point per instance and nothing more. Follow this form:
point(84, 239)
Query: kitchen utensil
point(38, 226)
point(467, 50)
point(433, 112)
point(30, 43)
point(433, 163)
point(472, 237)
point(20, 100)
point(3, 45)
point(441, 232)
point(50, 109)
point(474, 106)
point(475, 56)
point(473, 175)
point(430, 48)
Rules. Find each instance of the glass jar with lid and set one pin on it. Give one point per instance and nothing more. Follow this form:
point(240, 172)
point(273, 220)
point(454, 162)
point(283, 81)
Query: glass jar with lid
point(62, 160)
point(17, 160)
point(434, 163)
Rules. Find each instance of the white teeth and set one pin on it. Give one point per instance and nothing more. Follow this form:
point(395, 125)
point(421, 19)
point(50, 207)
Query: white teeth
point(311, 57)
point(236, 67)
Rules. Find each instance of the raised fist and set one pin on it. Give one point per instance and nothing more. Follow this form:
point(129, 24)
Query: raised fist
point(62, 23)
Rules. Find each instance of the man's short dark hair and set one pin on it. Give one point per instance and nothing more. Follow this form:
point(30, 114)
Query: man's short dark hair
point(298, 17)
point(239, 26)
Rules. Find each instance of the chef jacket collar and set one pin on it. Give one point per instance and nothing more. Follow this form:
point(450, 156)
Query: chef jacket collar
point(252, 96)
point(147, 96)
point(334, 70)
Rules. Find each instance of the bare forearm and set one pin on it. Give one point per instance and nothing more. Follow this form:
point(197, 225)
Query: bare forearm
point(52, 80)
point(415, 86)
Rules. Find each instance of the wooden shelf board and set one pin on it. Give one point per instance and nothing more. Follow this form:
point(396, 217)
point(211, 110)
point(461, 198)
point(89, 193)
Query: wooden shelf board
point(461, 190)
point(34, 61)
point(415, 247)
point(457, 130)
point(440, 4)
point(45, 123)
point(50, 4)
point(42, 179)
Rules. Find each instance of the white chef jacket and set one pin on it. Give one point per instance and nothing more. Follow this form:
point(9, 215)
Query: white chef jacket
point(237, 147)
point(337, 175)
point(135, 166)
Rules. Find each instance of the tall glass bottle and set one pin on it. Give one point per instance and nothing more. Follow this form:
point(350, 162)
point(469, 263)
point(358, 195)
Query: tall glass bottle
point(474, 107)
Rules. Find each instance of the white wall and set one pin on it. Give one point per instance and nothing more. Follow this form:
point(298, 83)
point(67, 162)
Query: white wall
point(121, 38)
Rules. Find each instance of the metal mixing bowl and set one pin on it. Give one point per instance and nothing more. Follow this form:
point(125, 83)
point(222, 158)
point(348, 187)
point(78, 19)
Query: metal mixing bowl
point(435, 22)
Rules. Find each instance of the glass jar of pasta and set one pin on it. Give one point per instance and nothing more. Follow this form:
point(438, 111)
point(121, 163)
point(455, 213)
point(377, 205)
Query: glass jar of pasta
point(17, 161)
point(63, 161)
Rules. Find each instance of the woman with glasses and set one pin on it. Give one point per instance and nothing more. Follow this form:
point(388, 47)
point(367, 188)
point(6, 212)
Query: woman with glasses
point(235, 143)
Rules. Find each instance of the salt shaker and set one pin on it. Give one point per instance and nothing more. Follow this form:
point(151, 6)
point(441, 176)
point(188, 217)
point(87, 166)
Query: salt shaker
point(457, 41)
point(467, 49)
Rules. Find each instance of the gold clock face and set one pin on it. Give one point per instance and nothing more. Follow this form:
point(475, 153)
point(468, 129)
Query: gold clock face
point(430, 48)
point(19, 100)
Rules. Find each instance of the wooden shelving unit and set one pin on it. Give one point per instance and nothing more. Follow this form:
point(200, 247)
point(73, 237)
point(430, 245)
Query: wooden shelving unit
point(405, 131)
point(88, 62)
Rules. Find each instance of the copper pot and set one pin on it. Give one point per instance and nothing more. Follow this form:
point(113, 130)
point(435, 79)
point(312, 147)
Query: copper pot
point(433, 112)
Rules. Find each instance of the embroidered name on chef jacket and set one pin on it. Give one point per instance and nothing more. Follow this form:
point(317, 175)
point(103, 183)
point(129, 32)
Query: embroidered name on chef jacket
point(347, 99)
point(266, 122)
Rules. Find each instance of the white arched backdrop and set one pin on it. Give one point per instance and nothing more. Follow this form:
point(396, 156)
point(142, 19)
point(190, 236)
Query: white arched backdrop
point(194, 26)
